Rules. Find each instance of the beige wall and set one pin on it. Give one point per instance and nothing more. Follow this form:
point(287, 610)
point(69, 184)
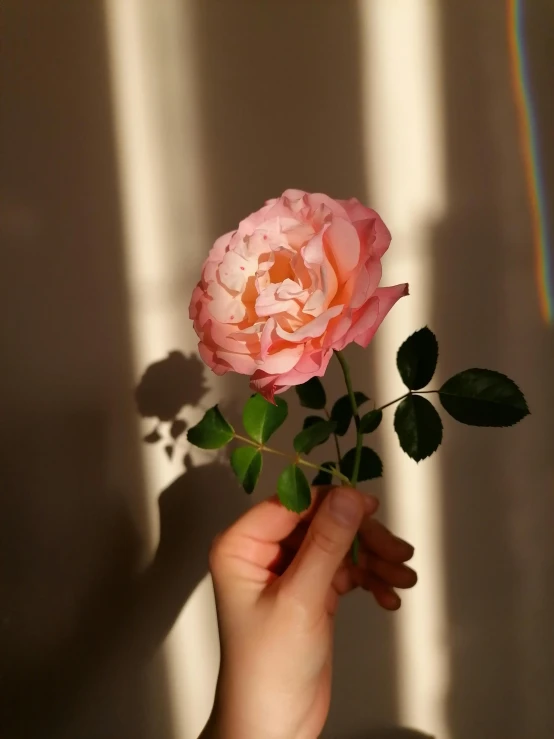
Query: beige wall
point(133, 133)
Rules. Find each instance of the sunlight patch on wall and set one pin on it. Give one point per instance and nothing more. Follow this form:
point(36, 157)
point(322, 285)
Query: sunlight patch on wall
point(404, 150)
point(157, 130)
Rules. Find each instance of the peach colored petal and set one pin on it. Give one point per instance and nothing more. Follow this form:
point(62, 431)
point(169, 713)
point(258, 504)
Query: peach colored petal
point(225, 336)
point(196, 299)
point(364, 283)
point(268, 303)
point(362, 320)
point(235, 270)
point(224, 307)
point(244, 364)
point(264, 384)
point(217, 252)
point(294, 199)
point(342, 245)
point(323, 277)
point(314, 328)
point(282, 361)
point(267, 337)
point(316, 199)
point(299, 234)
point(291, 289)
point(315, 303)
point(208, 357)
point(337, 329)
point(312, 364)
point(356, 211)
point(387, 297)
point(374, 236)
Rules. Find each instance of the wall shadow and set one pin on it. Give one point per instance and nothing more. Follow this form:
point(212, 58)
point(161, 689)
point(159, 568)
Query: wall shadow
point(497, 484)
point(73, 518)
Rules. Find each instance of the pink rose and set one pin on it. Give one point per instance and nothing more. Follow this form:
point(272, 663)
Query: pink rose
point(298, 279)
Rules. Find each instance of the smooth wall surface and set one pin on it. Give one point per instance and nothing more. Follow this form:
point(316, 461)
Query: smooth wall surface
point(131, 135)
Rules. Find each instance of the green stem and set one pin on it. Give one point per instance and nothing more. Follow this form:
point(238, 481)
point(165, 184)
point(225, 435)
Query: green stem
point(411, 392)
point(297, 459)
point(392, 402)
point(359, 437)
point(336, 438)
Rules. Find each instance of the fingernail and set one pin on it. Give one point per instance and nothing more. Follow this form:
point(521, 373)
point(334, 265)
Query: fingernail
point(344, 506)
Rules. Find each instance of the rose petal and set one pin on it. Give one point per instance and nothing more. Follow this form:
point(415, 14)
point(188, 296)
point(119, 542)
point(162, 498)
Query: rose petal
point(361, 286)
point(314, 328)
point(264, 384)
point(244, 364)
point(268, 304)
point(316, 199)
point(266, 338)
point(342, 245)
point(323, 274)
point(374, 236)
point(282, 361)
point(387, 297)
point(195, 301)
point(356, 211)
point(289, 289)
point(312, 364)
point(223, 306)
point(234, 271)
point(209, 358)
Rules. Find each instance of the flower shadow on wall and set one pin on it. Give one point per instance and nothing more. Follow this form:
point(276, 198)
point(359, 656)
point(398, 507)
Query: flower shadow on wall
point(166, 387)
point(190, 508)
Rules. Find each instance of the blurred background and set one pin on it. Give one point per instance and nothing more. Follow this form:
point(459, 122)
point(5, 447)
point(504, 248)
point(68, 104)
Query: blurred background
point(133, 133)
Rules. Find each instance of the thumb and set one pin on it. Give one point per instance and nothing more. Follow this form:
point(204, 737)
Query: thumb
point(327, 542)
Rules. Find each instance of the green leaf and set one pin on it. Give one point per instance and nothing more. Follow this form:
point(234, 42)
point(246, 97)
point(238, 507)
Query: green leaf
point(293, 489)
point(481, 397)
point(246, 462)
point(261, 418)
point(212, 432)
point(417, 359)
point(370, 464)
point(370, 422)
point(324, 478)
point(418, 426)
point(341, 412)
point(312, 394)
point(315, 434)
point(311, 420)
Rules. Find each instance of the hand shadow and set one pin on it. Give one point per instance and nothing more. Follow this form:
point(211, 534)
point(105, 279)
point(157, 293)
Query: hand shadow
point(126, 614)
point(198, 505)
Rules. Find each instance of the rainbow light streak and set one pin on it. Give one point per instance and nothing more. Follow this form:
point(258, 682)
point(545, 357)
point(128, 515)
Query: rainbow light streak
point(531, 158)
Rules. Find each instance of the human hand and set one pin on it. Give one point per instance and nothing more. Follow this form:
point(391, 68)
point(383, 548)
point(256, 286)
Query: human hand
point(278, 578)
